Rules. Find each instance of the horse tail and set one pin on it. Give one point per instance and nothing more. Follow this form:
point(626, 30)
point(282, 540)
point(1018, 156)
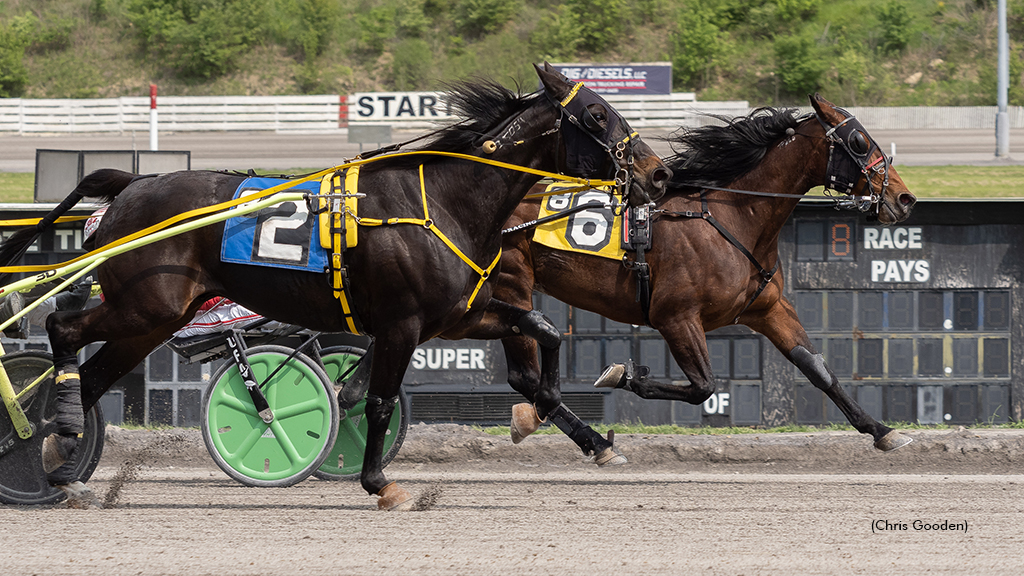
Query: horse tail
point(104, 184)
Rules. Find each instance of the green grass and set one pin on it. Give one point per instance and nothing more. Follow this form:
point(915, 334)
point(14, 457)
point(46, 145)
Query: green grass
point(17, 187)
point(923, 181)
point(731, 430)
point(964, 181)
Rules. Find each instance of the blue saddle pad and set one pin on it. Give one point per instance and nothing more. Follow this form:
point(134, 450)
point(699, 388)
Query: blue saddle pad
point(281, 236)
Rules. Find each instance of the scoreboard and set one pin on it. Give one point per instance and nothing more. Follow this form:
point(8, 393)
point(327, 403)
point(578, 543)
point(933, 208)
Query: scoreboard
point(920, 321)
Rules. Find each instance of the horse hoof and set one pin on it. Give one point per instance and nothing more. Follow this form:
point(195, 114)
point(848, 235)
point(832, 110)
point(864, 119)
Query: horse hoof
point(394, 497)
point(525, 421)
point(609, 457)
point(892, 441)
point(611, 377)
point(80, 496)
point(56, 451)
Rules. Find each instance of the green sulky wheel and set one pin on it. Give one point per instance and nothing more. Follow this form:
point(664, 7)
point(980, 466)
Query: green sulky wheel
point(22, 479)
point(346, 458)
point(301, 435)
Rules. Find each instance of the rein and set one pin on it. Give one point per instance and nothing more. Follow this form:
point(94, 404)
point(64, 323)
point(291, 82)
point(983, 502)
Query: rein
point(585, 182)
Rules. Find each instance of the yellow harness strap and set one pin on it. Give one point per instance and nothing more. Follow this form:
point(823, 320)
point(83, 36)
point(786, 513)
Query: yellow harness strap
point(34, 221)
point(427, 223)
point(337, 200)
point(572, 93)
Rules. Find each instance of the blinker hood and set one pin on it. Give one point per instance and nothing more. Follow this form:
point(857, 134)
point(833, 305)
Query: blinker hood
point(588, 145)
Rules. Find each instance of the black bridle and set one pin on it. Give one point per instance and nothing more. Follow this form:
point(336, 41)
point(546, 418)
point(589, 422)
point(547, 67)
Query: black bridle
point(587, 143)
point(584, 145)
point(845, 170)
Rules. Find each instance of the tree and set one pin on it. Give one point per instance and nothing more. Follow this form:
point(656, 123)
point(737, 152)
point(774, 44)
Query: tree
point(556, 36)
point(196, 37)
point(799, 64)
point(15, 36)
point(478, 17)
point(698, 45)
point(896, 21)
point(600, 22)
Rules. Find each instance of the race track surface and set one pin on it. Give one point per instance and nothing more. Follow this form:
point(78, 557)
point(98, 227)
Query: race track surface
point(687, 504)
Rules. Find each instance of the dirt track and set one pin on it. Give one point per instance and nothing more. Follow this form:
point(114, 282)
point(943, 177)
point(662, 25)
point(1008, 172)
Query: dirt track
point(779, 504)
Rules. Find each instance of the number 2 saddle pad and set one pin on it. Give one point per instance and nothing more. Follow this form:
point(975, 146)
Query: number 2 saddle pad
point(596, 230)
point(283, 236)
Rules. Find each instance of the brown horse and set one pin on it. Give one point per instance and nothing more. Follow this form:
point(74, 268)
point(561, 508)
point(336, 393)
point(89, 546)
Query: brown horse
point(410, 280)
point(700, 280)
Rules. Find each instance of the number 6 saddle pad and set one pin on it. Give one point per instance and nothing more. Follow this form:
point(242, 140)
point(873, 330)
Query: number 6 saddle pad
point(596, 230)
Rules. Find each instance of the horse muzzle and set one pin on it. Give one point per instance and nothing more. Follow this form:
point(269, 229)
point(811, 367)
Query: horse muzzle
point(897, 209)
point(650, 187)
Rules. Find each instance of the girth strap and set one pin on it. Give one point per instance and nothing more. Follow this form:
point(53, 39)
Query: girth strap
point(336, 236)
point(766, 275)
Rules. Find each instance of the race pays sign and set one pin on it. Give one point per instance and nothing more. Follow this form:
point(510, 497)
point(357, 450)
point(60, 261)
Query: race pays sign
point(904, 240)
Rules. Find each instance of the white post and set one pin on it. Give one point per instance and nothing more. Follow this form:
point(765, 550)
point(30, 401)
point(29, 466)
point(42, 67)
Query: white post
point(152, 118)
point(1003, 82)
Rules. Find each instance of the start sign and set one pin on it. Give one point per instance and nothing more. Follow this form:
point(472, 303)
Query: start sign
point(397, 106)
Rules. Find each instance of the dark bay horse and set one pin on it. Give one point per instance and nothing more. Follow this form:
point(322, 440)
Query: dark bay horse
point(407, 284)
point(699, 280)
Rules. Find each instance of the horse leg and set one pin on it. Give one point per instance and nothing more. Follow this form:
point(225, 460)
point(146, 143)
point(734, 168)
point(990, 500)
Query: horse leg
point(130, 337)
point(520, 332)
point(541, 388)
point(99, 372)
point(782, 327)
point(389, 363)
point(686, 340)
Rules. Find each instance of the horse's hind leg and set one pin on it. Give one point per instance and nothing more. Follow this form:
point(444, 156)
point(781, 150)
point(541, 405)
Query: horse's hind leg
point(686, 340)
point(128, 342)
point(781, 325)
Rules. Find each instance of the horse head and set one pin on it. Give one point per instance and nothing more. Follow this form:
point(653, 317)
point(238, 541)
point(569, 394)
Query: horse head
point(858, 167)
point(599, 143)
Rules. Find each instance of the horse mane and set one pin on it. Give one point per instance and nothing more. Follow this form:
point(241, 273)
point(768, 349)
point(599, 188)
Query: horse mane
point(717, 155)
point(481, 105)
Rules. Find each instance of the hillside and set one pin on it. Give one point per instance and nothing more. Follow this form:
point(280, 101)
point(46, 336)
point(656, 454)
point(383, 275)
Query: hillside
point(770, 52)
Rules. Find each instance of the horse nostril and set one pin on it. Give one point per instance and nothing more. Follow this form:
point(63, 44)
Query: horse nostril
point(660, 177)
point(907, 199)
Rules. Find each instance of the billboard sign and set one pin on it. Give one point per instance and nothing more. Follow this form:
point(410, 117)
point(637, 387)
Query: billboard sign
point(640, 78)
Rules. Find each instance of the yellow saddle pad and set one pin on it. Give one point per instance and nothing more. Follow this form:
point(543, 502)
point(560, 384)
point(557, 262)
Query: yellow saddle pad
point(332, 211)
point(596, 230)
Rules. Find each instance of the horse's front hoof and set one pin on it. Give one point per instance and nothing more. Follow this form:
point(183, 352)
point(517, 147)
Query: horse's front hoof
point(609, 457)
point(525, 421)
point(892, 441)
point(612, 376)
point(80, 496)
point(57, 449)
point(394, 497)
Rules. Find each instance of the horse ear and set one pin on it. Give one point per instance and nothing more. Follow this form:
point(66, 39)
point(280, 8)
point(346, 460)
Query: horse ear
point(825, 109)
point(554, 82)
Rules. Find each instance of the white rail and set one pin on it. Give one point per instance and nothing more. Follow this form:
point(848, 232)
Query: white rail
point(406, 110)
point(177, 114)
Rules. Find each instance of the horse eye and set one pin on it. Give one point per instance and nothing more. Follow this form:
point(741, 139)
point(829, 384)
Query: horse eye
point(594, 120)
point(859, 144)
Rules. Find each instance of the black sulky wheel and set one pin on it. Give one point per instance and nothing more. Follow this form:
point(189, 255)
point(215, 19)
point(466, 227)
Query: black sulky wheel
point(22, 479)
